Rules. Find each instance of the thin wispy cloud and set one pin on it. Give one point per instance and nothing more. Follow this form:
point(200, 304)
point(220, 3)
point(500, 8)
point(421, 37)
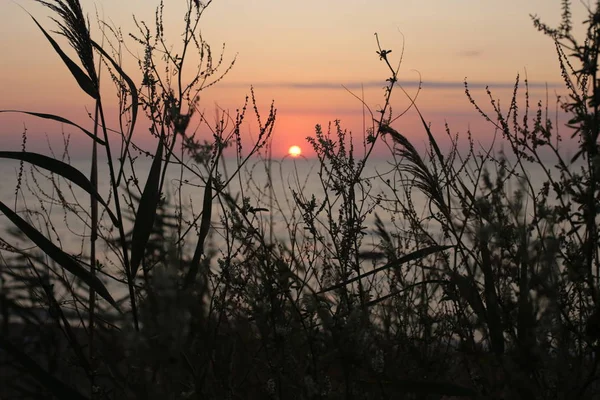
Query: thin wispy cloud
point(380, 84)
point(470, 53)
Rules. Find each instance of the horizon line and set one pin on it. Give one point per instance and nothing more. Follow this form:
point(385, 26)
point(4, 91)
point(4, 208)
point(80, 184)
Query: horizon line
point(372, 84)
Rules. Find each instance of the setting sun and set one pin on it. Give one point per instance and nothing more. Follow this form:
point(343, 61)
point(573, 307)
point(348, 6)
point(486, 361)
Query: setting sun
point(295, 151)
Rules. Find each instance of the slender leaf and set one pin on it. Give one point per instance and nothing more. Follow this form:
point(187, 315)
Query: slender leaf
point(84, 81)
point(415, 255)
point(62, 258)
point(146, 212)
point(58, 118)
point(63, 169)
point(59, 389)
point(134, 98)
point(491, 300)
point(469, 292)
point(204, 228)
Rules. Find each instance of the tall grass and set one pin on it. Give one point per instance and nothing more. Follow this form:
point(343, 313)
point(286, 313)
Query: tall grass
point(490, 291)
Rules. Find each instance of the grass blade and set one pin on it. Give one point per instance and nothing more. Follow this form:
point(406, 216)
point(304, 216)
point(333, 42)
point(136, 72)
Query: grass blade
point(58, 119)
point(62, 258)
point(84, 81)
point(204, 227)
point(415, 255)
point(58, 388)
point(491, 300)
point(146, 212)
point(469, 292)
point(63, 169)
point(134, 99)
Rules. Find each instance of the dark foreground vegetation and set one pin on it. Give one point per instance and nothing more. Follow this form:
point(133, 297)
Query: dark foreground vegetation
point(491, 292)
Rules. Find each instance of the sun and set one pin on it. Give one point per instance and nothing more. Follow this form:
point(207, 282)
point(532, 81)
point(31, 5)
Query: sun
point(295, 151)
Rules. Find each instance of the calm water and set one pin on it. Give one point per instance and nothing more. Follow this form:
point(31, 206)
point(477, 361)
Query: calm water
point(287, 176)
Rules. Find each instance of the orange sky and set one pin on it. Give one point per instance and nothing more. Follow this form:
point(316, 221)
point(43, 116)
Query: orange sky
point(300, 54)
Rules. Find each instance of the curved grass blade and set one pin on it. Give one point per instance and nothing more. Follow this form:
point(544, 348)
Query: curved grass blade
point(58, 388)
point(63, 169)
point(58, 119)
point(415, 255)
point(62, 258)
point(204, 227)
point(469, 292)
point(84, 81)
point(134, 99)
point(146, 212)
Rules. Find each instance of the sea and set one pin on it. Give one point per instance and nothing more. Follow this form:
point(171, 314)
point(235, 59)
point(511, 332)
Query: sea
point(272, 187)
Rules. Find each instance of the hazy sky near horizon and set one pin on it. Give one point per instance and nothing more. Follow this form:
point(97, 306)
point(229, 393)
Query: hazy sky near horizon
point(301, 54)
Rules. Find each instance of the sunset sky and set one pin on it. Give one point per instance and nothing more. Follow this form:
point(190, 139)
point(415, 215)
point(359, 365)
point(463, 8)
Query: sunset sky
point(300, 54)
